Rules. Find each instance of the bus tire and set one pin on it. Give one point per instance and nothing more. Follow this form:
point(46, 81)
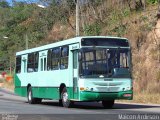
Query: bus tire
point(31, 100)
point(108, 103)
point(65, 101)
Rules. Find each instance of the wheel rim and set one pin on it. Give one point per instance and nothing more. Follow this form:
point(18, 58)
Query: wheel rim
point(29, 96)
point(65, 97)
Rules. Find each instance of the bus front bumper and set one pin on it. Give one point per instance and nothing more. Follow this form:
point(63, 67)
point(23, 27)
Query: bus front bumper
point(98, 96)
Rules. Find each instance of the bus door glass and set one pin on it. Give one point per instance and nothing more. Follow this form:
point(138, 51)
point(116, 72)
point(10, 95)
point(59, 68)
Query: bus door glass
point(75, 74)
point(43, 61)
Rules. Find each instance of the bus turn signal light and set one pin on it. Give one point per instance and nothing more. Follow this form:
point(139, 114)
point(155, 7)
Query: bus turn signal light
point(82, 88)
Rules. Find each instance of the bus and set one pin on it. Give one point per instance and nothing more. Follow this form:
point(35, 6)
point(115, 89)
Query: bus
point(89, 68)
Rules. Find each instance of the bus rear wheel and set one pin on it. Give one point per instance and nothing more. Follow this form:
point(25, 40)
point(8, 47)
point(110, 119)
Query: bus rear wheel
point(108, 103)
point(65, 101)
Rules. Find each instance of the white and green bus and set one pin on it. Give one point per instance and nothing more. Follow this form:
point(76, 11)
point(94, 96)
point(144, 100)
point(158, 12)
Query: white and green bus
point(91, 68)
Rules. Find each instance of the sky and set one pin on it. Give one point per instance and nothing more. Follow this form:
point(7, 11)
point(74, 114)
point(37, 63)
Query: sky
point(10, 1)
point(31, 1)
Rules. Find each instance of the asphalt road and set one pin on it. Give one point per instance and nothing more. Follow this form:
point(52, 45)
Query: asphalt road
point(17, 108)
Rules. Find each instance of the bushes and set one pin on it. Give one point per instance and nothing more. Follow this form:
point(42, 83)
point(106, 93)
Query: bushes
point(94, 29)
point(152, 1)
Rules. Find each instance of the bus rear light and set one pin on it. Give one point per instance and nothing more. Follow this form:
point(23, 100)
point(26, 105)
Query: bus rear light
point(127, 95)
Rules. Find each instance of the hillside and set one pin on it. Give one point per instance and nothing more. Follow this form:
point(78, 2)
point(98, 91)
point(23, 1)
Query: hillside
point(136, 20)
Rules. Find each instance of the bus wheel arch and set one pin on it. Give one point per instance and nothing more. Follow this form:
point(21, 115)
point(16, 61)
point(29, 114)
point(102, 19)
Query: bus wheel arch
point(61, 88)
point(29, 85)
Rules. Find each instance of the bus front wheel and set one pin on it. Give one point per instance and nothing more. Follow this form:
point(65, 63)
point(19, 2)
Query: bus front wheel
point(108, 103)
point(65, 100)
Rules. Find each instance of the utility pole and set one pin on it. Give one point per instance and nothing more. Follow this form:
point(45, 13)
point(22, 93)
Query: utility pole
point(77, 17)
point(26, 40)
point(10, 66)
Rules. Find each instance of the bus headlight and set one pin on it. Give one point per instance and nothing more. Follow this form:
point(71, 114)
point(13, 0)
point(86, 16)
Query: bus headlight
point(128, 88)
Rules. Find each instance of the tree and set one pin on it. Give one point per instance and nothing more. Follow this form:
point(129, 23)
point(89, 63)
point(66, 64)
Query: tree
point(4, 4)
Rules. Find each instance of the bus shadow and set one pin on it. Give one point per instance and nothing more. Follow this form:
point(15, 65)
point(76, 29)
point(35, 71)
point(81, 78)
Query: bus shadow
point(51, 103)
point(78, 105)
point(97, 105)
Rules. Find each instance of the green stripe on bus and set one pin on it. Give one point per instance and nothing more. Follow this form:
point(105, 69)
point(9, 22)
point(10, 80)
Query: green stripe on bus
point(44, 92)
point(86, 96)
point(17, 81)
point(22, 91)
point(50, 92)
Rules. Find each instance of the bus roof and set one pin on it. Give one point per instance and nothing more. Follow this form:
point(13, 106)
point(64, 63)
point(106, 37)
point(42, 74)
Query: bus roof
point(62, 43)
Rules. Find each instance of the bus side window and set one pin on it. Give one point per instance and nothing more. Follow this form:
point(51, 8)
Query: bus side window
point(64, 57)
point(55, 58)
point(45, 67)
point(18, 64)
point(32, 63)
point(36, 57)
point(41, 64)
point(49, 59)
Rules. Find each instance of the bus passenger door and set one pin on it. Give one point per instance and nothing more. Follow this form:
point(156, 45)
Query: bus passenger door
point(75, 74)
point(43, 61)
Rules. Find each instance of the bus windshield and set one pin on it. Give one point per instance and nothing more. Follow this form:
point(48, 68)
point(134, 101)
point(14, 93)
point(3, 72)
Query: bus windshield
point(104, 62)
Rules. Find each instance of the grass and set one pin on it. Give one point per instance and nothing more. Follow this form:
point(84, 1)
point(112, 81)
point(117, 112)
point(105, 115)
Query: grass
point(144, 97)
point(8, 84)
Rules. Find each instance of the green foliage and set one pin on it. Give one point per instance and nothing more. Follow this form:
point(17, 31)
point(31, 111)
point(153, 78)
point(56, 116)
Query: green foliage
point(120, 30)
point(1, 80)
point(152, 1)
point(4, 4)
point(144, 18)
point(21, 13)
point(71, 4)
point(23, 19)
point(94, 29)
point(126, 12)
point(158, 76)
point(95, 2)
